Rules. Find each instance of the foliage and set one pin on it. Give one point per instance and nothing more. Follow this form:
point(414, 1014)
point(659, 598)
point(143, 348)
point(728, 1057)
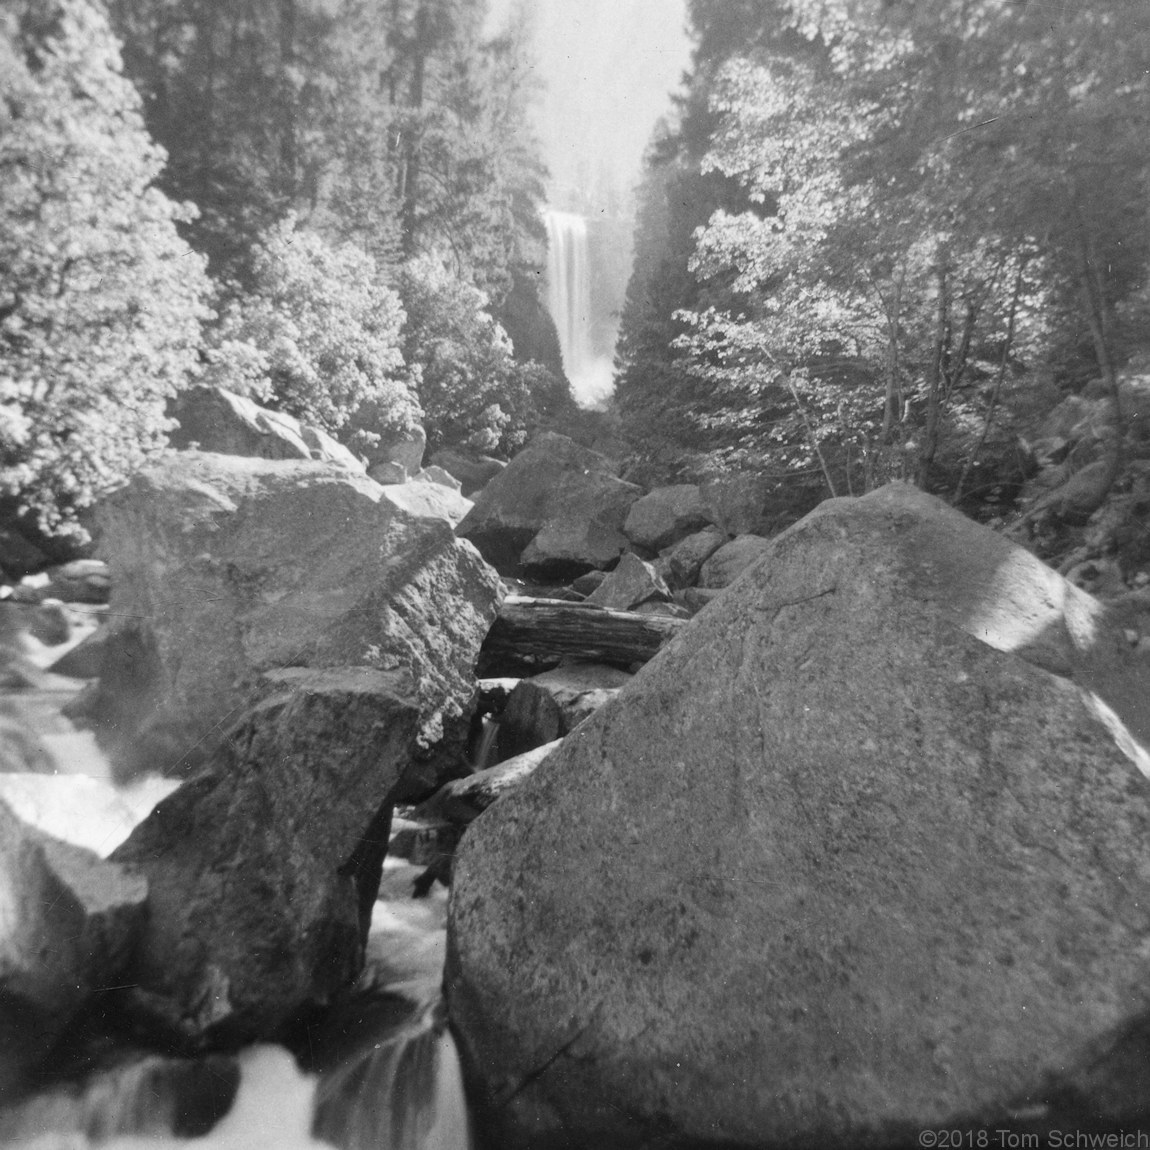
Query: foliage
point(471, 389)
point(932, 193)
point(100, 300)
point(318, 336)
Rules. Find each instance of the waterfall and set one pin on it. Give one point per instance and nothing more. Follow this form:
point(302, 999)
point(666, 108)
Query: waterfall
point(570, 302)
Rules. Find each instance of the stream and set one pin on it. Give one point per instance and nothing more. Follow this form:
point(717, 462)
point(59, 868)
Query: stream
point(381, 1069)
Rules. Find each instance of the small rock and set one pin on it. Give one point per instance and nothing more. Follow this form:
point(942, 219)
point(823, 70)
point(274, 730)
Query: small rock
point(632, 582)
point(50, 623)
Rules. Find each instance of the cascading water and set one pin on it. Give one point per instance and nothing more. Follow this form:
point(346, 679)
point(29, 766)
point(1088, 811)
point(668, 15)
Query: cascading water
point(397, 1086)
point(569, 300)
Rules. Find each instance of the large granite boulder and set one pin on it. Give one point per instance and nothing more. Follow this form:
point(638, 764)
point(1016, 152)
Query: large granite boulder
point(555, 511)
point(858, 854)
point(225, 567)
point(263, 868)
point(68, 921)
point(218, 420)
point(665, 515)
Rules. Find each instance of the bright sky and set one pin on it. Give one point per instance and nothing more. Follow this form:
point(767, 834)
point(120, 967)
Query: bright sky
point(609, 67)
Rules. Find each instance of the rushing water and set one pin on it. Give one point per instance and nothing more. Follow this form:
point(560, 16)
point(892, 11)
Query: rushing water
point(387, 1076)
point(569, 299)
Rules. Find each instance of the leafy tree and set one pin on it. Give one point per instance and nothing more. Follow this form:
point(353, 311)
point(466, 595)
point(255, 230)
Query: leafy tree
point(932, 191)
point(100, 300)
point(471, 389)
point(318, 336)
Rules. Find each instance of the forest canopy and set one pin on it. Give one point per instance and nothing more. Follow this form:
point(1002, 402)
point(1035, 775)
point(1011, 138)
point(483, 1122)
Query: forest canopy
point(290, 198)
point(878, 232)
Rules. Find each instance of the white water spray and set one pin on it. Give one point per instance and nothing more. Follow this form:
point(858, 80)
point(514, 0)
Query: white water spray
point(570, 303)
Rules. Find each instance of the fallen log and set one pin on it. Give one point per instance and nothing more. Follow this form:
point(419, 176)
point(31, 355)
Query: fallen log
point(527, 627)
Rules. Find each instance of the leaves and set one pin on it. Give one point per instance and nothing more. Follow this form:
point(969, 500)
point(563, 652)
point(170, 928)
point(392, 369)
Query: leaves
point(101, 300)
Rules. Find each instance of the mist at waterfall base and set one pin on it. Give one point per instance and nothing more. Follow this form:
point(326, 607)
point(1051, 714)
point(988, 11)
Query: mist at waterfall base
point(380, 1070)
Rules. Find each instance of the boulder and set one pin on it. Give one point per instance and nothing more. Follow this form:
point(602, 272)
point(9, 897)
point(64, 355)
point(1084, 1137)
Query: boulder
point(435, 474)
point(632, 582)
point(556, 510)
point(579, 689)
point(263, 868)
point(69, 921)
point(50, 623)
point(548, 706)
point(665, 515)
point(217, 420)
point(843, 862)
point(388, 473)
point(85, 659)
point(226, 567)
point(731, 560)
point(680, 565)
point(405, 450)
point(588, 582)
point(473, 471)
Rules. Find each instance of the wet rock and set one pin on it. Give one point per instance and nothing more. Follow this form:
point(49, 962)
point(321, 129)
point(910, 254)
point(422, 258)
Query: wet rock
point(841, 863)
point(731, 560)
point(263, 868)
point(461, 801)
point(86, 659)
point(665, 515)
point(69, 922)
point(632, 582)
point(555, 511)
point(227, 567)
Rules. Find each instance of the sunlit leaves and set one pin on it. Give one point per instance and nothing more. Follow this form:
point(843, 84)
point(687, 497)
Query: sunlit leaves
point(318, 335)
point(100, 300)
